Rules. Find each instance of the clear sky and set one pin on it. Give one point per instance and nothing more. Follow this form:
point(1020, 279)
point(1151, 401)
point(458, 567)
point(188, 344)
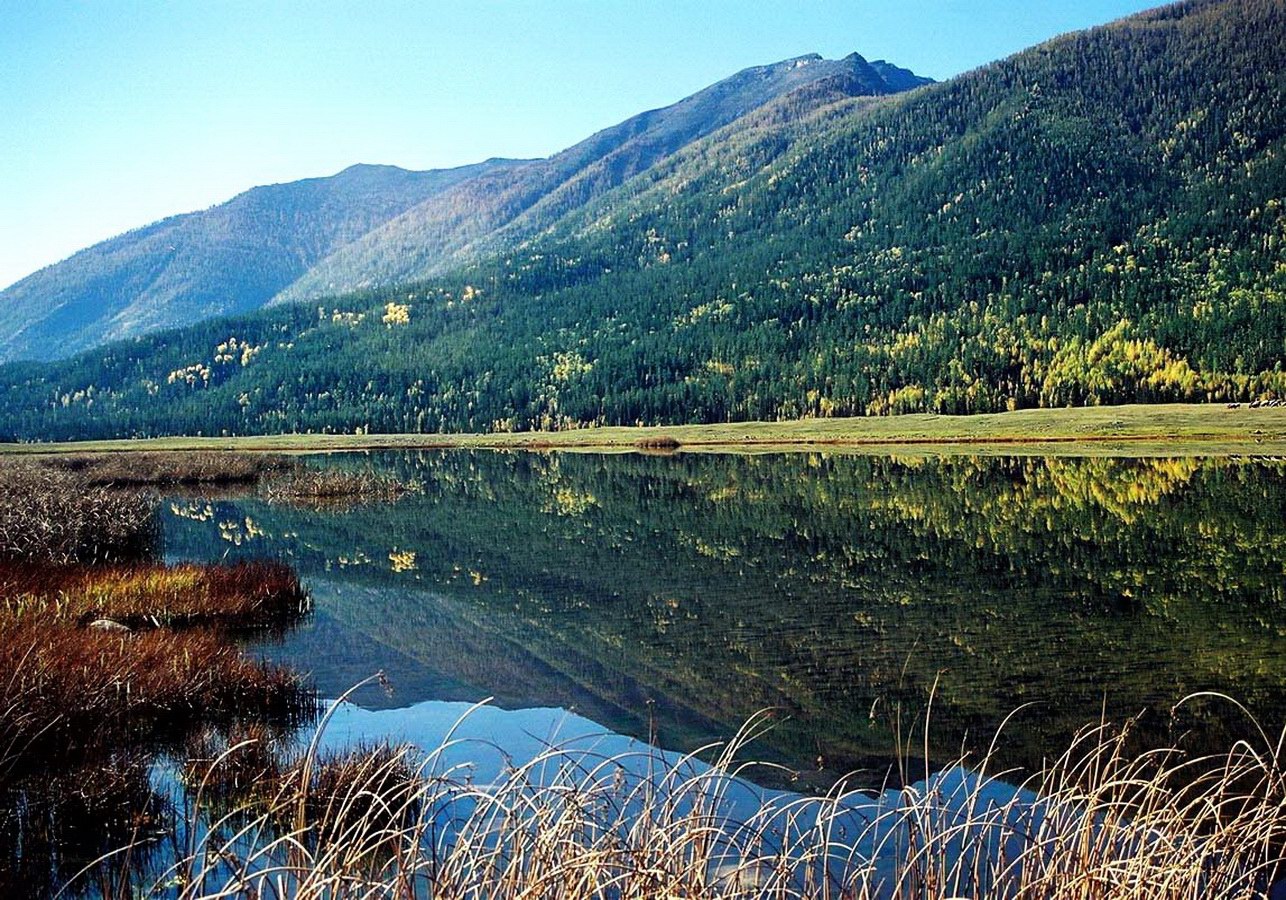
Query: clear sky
point(114, 114)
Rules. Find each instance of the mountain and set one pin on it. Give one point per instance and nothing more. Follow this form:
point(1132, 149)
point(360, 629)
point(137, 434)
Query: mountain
point(370, 225)
point(227, 259)
point(492, 213)
point(1100, 219)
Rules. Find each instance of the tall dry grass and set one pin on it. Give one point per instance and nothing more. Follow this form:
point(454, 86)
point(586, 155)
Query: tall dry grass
point(1096, 822)
point(137, 468)
point(330, 487)
point(51, 516)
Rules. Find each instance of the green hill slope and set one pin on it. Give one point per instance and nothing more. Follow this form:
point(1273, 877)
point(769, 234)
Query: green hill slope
point(1099, 219)
point(493, 213)
point(371, 225)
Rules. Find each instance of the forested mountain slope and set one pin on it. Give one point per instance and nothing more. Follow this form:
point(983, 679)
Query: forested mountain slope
point(371, 225)
point(1099, 219)
point(493, 212)
point(227, 259)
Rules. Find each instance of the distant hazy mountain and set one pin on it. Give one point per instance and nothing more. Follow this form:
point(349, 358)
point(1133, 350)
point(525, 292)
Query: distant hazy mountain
point(371, 225)
point(226, 259)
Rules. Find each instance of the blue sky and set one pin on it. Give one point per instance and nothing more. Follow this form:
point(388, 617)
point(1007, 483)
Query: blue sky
point(114, 114)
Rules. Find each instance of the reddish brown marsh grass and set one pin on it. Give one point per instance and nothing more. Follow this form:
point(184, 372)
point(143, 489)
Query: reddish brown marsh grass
point(71, 554)
point(149, 595)
point(78, 690)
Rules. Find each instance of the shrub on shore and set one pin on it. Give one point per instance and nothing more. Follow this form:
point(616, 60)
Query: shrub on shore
point(660, 442)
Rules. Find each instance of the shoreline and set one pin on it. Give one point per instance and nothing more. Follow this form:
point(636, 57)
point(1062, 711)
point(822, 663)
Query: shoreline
point(1185, 429)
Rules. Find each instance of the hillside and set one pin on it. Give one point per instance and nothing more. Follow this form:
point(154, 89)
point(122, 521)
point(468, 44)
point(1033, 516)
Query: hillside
point(494, 212)
point(371, 225)
point(1097, 220)
point(230, 258)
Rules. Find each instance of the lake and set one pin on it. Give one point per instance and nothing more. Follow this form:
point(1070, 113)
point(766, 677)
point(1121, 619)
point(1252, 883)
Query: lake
point(671, 597)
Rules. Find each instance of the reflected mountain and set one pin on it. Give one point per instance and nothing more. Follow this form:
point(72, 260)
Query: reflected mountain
point(672, 597)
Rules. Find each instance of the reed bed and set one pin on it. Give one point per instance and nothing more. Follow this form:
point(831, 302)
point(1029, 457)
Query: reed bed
point(249, 770)
point(57, 517)
point(102, 647)
point(1096, 822)
point(168, 468)
point(149, 595)
point(314, 487)
point(75, 692)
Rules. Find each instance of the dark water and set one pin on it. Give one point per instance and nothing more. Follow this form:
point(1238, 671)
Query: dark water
point(672, 597)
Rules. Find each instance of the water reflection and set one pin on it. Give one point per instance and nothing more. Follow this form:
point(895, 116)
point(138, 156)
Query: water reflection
point(674, 597)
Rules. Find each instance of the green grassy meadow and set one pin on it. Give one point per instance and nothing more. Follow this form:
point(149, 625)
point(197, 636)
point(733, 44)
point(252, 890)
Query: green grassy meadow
point(1106, 430)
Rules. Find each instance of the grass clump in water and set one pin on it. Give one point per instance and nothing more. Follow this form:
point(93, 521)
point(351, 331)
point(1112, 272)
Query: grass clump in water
point(169, 468)
point(326, 487)
point(149, 595)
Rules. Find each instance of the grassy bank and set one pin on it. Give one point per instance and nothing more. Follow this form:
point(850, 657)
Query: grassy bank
point(1173, 428)
point(101, 644)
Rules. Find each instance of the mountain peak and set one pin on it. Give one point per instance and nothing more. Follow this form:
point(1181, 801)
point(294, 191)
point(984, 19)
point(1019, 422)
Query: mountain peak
point(798, 62)
point(374, 224)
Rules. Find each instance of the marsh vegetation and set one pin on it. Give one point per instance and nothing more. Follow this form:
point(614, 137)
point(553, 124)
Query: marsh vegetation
point(136, 726)
point(110, 655)
point(1094, 822)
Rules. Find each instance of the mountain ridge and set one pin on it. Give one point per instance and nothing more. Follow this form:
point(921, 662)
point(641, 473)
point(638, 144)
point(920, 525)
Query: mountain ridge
point(1098, 220)
point(461, 224)
point(141, 279)
point(369, 224)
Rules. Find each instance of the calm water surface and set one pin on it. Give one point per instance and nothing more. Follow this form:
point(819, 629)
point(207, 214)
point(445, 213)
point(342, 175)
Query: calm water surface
point(669, 598)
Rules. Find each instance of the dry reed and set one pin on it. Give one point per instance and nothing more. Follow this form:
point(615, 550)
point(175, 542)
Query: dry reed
point(313, 487)
point(1097, 822)
point(176, 467)
point(57, 517)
